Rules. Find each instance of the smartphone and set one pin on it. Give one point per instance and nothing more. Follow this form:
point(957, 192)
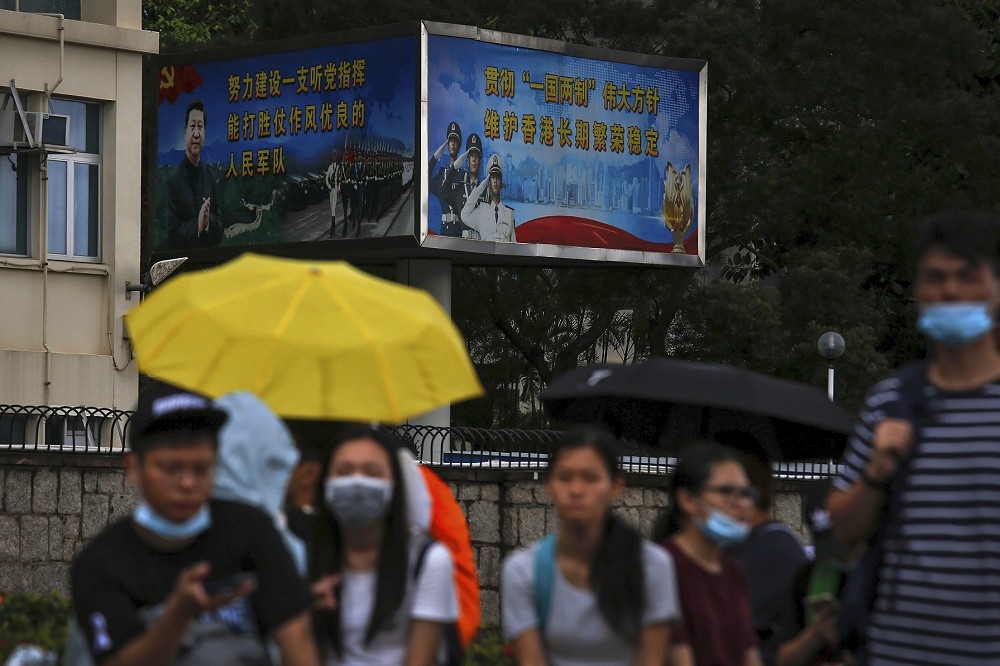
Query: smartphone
point(229, 584)
point(819, 602)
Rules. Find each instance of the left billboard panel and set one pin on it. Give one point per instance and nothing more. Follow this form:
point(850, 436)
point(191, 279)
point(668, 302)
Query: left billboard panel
point(285, 147)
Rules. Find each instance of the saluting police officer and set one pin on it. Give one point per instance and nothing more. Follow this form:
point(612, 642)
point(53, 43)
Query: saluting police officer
point(447, 182)
point(474, 160)
point(489, 218)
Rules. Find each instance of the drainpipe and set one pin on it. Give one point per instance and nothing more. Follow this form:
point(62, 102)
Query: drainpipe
point(44, 221)
point(62, 60)
point(43, 250)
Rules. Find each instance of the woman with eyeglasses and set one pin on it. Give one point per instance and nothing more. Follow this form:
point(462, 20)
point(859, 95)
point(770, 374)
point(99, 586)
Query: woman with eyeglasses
point(385, 594)
point(594, 592)
point(710, 502)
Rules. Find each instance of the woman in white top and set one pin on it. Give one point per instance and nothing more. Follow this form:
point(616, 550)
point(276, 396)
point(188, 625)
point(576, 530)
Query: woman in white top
point(384, 596)
point(596, 592)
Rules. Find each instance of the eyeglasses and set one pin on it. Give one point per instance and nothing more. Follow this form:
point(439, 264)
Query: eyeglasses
point(733, 493)
point(176, 472)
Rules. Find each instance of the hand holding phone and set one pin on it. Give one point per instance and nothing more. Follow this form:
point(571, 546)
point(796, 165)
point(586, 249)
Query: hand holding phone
point(229, 584)
point(823, 603)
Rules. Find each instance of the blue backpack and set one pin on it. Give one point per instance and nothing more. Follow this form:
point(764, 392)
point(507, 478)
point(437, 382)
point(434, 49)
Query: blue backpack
point(545, 574)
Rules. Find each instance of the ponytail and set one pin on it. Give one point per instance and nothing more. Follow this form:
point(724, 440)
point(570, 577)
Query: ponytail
point(618, 578)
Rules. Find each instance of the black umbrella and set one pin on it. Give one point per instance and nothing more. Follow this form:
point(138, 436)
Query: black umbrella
point(665, 401)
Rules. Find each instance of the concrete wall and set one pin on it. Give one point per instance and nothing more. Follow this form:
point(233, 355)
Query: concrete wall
point(51, 504)
point(62, 335)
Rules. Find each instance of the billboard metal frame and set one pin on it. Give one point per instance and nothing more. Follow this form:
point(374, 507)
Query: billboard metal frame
point(424, 245)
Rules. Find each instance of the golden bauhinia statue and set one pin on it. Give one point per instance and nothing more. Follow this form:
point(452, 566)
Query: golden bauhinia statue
point(678, 204)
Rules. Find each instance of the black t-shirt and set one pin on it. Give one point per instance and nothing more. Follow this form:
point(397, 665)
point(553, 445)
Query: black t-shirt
point(119, 581)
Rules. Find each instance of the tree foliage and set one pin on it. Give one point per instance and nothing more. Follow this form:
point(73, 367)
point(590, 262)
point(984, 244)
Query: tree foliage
point(832, 128)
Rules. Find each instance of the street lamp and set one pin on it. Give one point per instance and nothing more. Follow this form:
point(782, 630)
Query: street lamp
point(156, 274)
point(831, 347)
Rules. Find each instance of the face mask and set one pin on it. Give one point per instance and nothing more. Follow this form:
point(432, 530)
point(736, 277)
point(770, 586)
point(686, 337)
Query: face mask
point(723, 530)
point(168, 529)
point(357, 501)
point(955, 324)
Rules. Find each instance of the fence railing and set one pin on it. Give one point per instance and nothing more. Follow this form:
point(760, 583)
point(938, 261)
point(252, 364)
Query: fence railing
point(63, 429)
point(89, 430)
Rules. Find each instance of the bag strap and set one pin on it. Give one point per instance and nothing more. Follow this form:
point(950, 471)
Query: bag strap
point(418, 565)
point(545, 573)
point(911, 407)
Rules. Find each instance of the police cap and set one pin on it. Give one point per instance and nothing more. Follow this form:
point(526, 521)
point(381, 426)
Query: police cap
point(454, 130)
point(495, 166)
point(474, 143)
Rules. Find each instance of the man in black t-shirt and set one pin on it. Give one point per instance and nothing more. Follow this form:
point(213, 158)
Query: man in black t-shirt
point(185, 579)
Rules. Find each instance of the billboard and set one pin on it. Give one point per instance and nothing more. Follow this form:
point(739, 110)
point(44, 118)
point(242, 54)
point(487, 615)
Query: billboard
point(549, 150)
point(272, 147)
point(472, 145)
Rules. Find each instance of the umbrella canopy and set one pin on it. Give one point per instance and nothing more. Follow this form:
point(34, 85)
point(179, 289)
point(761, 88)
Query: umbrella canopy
point(667, 401)
point(312, 339)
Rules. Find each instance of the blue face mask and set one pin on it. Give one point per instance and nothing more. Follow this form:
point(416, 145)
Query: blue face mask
point(722, 529)
point(955, 324)
point(168, 529)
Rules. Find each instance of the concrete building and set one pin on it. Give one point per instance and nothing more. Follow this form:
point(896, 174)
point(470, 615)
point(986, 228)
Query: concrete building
point(69, 217)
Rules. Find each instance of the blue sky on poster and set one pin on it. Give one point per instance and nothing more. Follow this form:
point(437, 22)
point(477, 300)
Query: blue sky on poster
point(389, 94)
point(456, 84)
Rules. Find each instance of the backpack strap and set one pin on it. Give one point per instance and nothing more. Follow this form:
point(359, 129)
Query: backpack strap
point(545, 574)
point(421, 556)
point(453, 652)
point(911, 406)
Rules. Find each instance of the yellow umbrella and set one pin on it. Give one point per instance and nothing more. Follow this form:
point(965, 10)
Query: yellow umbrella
point(313, 339)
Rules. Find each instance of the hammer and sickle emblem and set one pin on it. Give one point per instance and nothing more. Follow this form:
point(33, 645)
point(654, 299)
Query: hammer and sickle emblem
point(167, 77)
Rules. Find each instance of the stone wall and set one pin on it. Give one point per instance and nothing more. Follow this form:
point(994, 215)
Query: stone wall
point(51, 504)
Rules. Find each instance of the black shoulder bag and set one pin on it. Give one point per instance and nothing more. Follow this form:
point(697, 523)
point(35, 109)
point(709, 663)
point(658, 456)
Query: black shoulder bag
point(857, 598)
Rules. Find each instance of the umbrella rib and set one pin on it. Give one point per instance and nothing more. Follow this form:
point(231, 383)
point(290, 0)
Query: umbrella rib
point(383, 363)
point(286, 318)
point(182, 321)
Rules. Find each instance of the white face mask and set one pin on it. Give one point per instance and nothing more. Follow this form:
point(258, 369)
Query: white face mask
point(145, 516)
point(358, 501)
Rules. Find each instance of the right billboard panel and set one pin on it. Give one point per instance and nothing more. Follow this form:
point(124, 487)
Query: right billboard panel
point(555, 154)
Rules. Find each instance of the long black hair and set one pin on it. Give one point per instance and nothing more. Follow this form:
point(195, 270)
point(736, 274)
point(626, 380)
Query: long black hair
point(694, 467)
point(327, 556)
point(617, 575)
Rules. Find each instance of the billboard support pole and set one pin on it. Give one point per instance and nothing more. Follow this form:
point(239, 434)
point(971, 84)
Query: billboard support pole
point(433, 276)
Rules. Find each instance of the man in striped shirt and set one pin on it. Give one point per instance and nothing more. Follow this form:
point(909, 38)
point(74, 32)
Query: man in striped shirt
point(938, 596)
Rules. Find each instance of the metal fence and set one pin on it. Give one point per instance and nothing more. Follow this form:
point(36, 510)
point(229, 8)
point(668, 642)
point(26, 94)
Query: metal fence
point(63, 429)
point(90, 430)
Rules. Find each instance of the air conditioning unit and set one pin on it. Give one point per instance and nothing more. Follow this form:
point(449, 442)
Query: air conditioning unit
point(50, 130)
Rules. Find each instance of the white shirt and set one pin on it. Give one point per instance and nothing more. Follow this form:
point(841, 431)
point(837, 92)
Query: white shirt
point(430, 597)
point(576, 633)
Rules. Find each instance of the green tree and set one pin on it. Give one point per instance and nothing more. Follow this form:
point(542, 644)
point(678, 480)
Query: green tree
point(831, 129)
point(194, 22)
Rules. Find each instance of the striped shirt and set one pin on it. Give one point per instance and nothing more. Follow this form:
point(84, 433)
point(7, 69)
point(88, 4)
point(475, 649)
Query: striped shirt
point(938, 599)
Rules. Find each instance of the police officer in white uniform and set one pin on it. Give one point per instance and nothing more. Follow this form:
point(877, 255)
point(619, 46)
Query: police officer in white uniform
point(490, 219)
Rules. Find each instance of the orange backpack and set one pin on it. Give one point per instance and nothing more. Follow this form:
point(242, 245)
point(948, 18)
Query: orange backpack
point(448, 526)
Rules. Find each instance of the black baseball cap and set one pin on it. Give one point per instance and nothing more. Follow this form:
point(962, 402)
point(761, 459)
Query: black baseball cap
point(163, 407)
point(454, 130)
point(818, 519)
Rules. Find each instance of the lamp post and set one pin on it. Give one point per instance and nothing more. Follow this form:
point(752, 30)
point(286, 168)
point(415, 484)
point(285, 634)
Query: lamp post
point(831, 347)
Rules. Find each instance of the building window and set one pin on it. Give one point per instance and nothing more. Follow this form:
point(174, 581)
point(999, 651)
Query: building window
point(68, 8)
point(74, 185)
point(13, 204)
